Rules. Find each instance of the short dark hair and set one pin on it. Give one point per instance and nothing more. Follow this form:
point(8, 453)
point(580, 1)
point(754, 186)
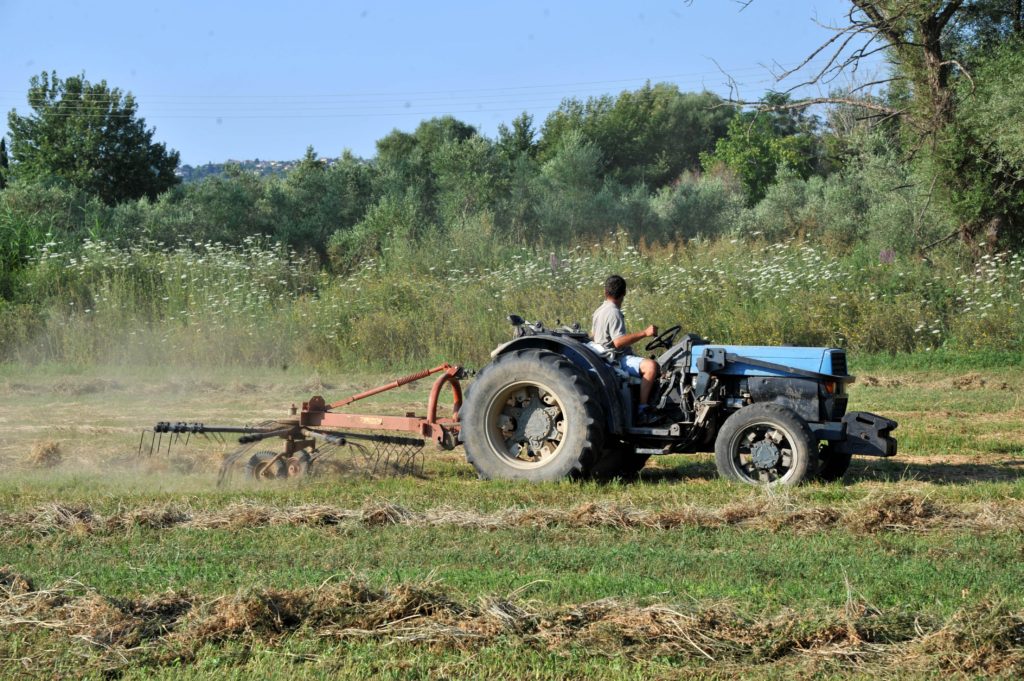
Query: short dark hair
point(615, 286)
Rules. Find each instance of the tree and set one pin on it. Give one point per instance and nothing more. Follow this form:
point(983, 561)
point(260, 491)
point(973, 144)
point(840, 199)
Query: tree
point(518, 140)
point(4, 163)
point(408, 164)
point(313, 201)
point(932, 47)
point(759, 144)
point(649, 136)
point(568, 193)
point(985, 148)
point(468, 179)
point(90, 136)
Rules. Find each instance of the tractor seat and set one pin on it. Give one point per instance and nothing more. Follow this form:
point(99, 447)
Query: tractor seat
point(631, 380)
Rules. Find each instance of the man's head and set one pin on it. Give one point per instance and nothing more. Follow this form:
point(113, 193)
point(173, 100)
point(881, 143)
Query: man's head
point(615, 289)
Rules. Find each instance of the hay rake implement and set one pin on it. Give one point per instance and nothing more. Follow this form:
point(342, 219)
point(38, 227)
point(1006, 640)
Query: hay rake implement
point(380, 444)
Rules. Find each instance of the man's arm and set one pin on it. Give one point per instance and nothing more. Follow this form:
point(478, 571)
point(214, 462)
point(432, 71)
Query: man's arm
point(630, 338)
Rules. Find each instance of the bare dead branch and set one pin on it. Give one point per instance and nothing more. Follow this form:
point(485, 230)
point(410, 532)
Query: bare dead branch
point(963, 70)
point(761, 105)
point(865, 86)
point(821, 48)
point(734, 88)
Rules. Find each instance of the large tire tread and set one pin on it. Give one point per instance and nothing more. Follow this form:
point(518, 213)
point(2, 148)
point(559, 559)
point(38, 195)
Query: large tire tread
point(575, 391)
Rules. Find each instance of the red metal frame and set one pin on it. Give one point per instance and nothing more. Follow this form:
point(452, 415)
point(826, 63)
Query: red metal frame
point(316, 413)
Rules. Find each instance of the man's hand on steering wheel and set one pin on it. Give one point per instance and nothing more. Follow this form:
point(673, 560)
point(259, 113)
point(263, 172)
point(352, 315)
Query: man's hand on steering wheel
point(665, 339)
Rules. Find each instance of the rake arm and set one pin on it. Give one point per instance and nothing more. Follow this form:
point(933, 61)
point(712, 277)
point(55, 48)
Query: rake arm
point(256, 436)
point(183, 427)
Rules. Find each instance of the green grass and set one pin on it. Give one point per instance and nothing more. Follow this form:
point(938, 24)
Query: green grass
point(940, 359)
point(961, 443)
point(760, 570)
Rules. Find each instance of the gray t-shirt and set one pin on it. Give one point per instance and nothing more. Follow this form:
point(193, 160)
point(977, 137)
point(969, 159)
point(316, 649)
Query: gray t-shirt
point(607, 325)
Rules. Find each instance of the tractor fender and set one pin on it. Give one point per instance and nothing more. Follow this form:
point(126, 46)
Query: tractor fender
point(608, 384)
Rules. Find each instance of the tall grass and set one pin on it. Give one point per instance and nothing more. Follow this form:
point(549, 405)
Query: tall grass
point(260, 303)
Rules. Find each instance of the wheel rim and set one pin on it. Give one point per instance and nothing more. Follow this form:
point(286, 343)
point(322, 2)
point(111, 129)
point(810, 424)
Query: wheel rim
point(298, 466)
point(764, 453)
point(526, 424)
point(261, 468)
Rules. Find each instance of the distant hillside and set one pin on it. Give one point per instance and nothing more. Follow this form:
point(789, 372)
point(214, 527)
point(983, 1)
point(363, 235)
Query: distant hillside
point(189, 173)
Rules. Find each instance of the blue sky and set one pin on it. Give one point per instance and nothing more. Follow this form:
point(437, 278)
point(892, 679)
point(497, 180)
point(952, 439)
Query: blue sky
point(240, 80)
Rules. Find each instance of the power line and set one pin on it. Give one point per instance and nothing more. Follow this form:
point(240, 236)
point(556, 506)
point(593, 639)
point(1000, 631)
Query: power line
point(277, 106)
point(691, 78)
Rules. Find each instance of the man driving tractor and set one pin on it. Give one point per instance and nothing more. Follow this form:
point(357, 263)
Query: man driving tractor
point(614, 343)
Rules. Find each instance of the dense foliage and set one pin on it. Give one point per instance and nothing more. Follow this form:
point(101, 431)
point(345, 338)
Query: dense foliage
point(931, 183)
point(90, 136)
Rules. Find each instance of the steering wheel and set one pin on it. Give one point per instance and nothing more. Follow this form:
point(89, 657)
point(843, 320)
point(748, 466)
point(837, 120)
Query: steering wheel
point(665, 339)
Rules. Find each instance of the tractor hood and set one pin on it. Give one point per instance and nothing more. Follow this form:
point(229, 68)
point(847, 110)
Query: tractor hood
point(828, 361)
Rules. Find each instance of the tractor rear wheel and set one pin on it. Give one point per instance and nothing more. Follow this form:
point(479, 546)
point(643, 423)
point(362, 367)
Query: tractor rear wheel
point(765, 444)
point(531, 415)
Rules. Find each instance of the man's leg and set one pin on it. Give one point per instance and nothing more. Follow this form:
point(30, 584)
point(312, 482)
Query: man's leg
point(645, 369)
point(648, 374)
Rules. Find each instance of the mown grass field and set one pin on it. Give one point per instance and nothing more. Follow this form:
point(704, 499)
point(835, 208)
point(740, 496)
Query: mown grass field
point(143, 568)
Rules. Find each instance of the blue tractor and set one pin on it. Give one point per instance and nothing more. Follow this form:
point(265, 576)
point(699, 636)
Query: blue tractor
point(548, 407)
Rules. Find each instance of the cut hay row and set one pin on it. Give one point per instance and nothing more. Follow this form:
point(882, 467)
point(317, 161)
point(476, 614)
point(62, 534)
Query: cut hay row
point(169, 629)
point(886, 513)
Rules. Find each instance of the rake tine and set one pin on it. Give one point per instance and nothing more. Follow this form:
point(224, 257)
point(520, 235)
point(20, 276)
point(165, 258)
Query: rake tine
point(159, 442)
point(187, 438)
point(142, 439)
point(169, 441)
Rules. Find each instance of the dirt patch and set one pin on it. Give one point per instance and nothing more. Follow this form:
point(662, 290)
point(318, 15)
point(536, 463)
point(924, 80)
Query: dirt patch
point(975, 381)
point(879, 382)
point(900, 512)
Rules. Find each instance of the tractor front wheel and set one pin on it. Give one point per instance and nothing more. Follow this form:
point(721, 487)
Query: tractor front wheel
point(765, 444)
point(531, 415)
point(832, 463)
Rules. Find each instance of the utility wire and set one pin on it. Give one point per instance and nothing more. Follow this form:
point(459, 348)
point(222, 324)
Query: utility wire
point(695, 78)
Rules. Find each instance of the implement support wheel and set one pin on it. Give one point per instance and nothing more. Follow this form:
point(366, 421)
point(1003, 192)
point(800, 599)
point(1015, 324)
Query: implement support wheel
point(299, 464)
point(262, 466)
